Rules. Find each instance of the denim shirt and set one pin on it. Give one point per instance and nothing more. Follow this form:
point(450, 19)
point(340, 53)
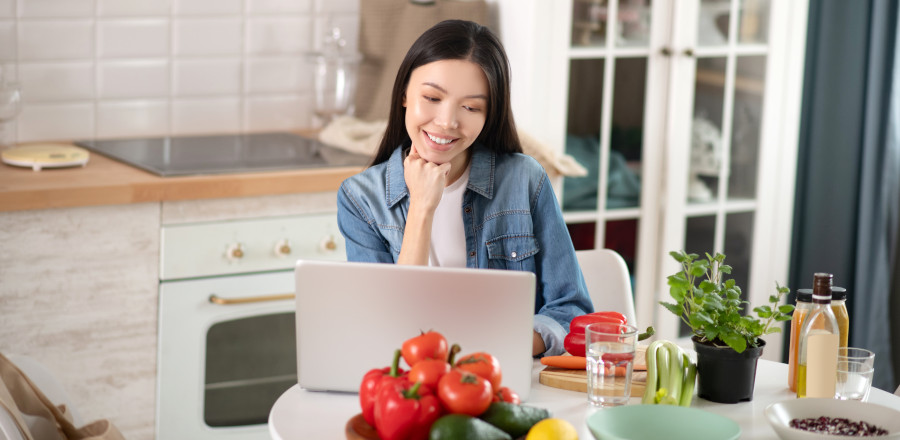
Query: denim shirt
point(512, 221)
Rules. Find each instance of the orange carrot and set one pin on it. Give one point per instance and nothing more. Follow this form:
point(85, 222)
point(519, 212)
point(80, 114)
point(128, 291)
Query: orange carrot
point(569, 362)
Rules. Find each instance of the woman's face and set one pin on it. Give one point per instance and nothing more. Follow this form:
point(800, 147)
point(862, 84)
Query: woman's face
point(446, 104)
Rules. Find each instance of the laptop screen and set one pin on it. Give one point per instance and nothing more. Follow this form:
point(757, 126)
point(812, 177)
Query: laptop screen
point(352, 316)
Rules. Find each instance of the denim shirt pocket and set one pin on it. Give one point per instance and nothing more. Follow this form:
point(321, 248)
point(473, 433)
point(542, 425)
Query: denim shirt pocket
point(512, 252)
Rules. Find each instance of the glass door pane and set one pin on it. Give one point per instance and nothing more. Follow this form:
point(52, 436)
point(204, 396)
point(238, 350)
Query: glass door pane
point(739, 249)
point(706, 130)
point(753, 22)
point(583, 235)
point(713, 22)
point(583, 132)
point(749, 86)
point(626, 137)
point(633, 23)
point(250, 362)
point(589, 18)
point(621, 236)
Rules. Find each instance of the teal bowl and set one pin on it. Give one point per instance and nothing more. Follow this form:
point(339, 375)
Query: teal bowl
point(667, 422)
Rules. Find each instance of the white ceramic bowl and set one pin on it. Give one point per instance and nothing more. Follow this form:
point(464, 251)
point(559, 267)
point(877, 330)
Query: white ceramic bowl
point(780, 415)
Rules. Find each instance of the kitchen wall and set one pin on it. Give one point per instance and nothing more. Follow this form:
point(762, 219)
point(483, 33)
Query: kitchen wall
point(120, 68)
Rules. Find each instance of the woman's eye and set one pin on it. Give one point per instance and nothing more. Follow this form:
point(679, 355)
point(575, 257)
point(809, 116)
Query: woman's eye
point(431, 99)
point(472, 109)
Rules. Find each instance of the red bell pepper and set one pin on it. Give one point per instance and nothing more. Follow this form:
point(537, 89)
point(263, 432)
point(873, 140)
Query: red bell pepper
point(373, 380)
point(405, 411)
point(574, 341)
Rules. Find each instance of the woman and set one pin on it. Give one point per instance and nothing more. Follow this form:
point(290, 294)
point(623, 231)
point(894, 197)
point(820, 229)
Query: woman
point(449, 186)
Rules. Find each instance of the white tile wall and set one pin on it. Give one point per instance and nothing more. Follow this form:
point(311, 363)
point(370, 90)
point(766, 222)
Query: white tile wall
point(128, 68)
point(133, 38)
point(133, 79)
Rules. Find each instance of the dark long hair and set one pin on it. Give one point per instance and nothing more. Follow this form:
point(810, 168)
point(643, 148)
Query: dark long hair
point(457, 40)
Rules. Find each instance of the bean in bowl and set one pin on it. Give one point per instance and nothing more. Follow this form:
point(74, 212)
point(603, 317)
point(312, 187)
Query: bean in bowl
point(838, 426)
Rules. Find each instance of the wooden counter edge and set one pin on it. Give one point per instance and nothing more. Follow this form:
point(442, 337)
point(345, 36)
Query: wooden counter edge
point(178, 188)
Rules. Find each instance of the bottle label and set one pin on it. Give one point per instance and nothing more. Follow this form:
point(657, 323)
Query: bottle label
point(821, 363)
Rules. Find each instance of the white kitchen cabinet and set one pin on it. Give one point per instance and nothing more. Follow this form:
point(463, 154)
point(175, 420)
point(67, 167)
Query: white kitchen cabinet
point(626, 86)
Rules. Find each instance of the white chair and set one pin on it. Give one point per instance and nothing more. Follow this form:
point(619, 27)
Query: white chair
point(608, 281)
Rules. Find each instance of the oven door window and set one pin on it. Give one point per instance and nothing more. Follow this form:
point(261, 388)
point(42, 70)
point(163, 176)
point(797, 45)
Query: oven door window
point(250, 362)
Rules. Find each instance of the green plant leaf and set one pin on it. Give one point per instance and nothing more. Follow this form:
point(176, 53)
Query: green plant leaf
point(786, 308)
point(699, 268)
point(725, 269)
point(735, 341)
point(678, 256)
point(677, 309)
point(707, 286)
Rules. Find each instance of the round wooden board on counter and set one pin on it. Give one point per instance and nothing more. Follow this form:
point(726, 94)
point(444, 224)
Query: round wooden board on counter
point(358, 429)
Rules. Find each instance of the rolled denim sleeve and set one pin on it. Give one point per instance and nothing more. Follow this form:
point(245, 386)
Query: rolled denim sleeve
point(561, 286)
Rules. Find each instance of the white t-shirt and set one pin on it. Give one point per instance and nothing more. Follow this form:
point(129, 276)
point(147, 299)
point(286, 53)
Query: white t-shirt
point(448, 238)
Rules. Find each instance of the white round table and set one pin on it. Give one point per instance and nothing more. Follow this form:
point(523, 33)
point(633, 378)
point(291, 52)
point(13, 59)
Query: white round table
point(300, 414)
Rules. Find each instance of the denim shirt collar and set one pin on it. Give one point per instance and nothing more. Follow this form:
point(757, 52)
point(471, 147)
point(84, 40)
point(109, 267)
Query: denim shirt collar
point(481, 175)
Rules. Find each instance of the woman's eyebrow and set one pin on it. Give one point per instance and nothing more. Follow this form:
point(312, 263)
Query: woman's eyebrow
point(442, 90)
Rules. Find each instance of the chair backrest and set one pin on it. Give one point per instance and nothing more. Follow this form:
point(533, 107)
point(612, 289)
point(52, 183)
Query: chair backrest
point(608, 281)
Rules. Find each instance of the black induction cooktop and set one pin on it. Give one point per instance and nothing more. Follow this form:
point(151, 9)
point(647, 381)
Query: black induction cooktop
point(224, 154)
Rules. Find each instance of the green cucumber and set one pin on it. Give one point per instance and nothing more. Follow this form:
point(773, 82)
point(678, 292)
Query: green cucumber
point(513, 419)
point(460, 426)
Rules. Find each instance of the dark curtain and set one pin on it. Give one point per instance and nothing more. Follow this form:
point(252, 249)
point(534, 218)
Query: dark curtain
point(845, 214)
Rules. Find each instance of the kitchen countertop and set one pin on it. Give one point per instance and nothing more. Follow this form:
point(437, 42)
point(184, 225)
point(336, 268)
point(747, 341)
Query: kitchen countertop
point(104, 181)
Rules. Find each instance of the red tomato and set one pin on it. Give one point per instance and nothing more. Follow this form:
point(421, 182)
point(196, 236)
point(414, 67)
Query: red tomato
point(429, 372)
point(504, 394)
point(462, 392)
point(484, 365)
point(428, 345)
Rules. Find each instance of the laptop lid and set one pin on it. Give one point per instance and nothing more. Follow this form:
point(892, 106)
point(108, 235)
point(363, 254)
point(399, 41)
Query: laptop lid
point(352, 316)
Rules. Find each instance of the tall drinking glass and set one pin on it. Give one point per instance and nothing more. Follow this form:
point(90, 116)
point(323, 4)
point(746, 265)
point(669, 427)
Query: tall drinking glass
point(10, 105)
point(610, 361)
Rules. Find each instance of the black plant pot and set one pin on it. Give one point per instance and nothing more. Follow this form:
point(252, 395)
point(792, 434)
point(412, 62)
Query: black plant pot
point(724, 375)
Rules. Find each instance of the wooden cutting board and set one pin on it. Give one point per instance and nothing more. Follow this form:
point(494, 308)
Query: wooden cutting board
point(576, 380)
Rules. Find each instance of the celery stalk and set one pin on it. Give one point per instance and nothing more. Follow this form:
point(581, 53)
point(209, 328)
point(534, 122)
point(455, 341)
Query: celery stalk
point(690, 376)
point(662, 367)
point(652, 381)
point(675, 372)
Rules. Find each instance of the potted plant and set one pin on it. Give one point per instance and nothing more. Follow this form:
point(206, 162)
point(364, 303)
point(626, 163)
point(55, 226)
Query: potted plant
point(726, 338)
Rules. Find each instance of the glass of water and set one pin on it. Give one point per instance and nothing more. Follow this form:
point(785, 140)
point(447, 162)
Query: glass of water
point(610, 361)
point(854, 380)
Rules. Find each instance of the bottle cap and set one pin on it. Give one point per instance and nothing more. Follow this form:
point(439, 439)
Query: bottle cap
point(822, 283)
point(804, 295)
point(838, 293)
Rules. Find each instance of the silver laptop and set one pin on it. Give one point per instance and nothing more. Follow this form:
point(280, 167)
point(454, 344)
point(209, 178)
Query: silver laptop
point(352, 316)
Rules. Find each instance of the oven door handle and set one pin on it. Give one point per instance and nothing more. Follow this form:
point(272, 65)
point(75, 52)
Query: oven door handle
point(216, 299)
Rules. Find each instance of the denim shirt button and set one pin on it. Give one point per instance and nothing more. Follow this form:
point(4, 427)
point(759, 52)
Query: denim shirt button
point(468, 209)
point(471, 253)
point(513, 254)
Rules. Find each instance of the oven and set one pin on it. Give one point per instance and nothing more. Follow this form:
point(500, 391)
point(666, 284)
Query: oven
point(226, 321)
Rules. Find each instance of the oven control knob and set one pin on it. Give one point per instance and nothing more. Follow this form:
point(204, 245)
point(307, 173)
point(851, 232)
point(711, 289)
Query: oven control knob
point(234, 252)
point(328, 244)
point(283, 248)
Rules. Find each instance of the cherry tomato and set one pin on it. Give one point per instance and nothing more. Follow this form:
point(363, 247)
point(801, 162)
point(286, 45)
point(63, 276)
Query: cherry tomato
point(484, 365)
point(504, 394)
point(428, 345)
point(462, 392)
point(429, 372)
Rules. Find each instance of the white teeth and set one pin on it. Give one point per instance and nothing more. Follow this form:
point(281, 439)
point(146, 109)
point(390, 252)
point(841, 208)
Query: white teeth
point(438, 140)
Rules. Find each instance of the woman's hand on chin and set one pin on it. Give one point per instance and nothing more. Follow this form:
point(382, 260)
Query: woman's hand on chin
point(425, 180)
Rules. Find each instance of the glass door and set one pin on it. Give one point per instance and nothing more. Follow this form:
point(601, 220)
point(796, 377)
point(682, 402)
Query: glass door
point(608, 66)
point(684, 113)
point(714, 169)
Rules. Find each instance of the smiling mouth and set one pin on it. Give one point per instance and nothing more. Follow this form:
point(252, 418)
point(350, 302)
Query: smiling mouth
point(439, 140)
